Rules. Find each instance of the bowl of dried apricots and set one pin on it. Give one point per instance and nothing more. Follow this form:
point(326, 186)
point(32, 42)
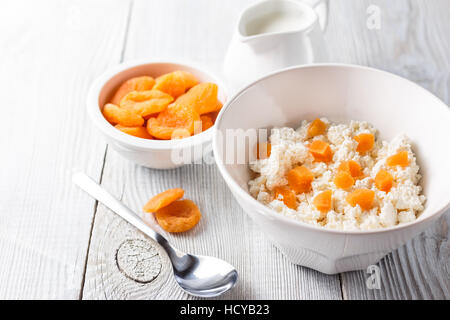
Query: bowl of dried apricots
point(157, 114)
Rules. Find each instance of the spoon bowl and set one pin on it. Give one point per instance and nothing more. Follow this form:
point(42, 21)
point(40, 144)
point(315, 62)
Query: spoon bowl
point(204, 276)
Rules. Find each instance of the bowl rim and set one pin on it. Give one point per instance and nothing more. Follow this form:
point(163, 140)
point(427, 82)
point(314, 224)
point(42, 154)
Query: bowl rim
point(107, 129)
point(261, 208)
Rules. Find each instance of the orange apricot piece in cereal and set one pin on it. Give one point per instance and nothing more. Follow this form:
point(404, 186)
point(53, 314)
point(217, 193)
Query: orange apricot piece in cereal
point(263, 150)
point(163, 199)
point(343, 180)
point(179, 216)
point(124, 117)
point(323, 201)
point(146, 103)
point(399, 159)
point(321, 151)
point(316, 128)
point(287, 196)
point(365, 142)
point(202, 97)
point(383, 181)
point(300, 179)
point(351, 167)
point(174, 117)
point(139, 132)
point(362, 197)
point(175, 83)
point(206, 122)
point(143, 83)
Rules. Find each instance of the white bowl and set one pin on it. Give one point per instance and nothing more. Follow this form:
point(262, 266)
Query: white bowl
point(341, 93)
point(157, 154)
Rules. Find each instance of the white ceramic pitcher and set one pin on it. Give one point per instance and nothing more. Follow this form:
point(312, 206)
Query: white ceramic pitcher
point(275, 34)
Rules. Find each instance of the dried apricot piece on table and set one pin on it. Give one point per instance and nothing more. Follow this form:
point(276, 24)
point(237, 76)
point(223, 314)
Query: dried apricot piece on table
point(287, 196)
point(316, 128)
point(179, 216)
point(175, 116)
point(116, 115)
point(365, 142)
point(163, 199)
point(323, 201)
point(343, 180)
point(175, 83)
point(139, 132)
point(300, 179)
point(263, 150)
point(399, 159)
point(143, 83)
point(202, 97)
point(351, 167)
point(321, 151)
point(383, 181)
point(362, 197)
point(206, 122)
point(146, 103)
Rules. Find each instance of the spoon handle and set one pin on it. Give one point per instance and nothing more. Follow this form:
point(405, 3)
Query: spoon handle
point(97, 192)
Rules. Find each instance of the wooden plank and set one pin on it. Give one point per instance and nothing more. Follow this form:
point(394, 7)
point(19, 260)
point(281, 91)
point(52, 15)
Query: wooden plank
point(412, 42)
point(50, 52)
point(198, 32)
point(224, 231)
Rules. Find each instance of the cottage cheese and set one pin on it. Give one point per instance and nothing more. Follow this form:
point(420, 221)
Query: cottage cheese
point(289, 148)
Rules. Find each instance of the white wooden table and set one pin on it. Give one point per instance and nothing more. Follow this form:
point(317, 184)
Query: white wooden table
point(56, 242)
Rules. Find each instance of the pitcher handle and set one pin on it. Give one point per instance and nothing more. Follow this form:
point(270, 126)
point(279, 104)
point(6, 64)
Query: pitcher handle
point(321, 7)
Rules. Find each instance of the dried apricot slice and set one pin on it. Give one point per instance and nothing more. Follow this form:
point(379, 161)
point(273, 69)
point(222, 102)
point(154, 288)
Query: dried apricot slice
point(175, 83)
point(116, 115)
point(351, 167)
point(316, 128)
point(163, 199)
point(383, 181)
point(362, 197)
point(206, 122)
point(146, 103)
point(287, 196)
point(399, 159)
point(214, 114)
point(365, 142)
point(321, 151)
point(179, 216)
point(180, 134)
point(218, 107)
point(175, 116)
point(300, 179)
point(323, 201)
point(139, 132)
point(343, 180)
point(143, 83)
point(202, 97)
point(263, 150)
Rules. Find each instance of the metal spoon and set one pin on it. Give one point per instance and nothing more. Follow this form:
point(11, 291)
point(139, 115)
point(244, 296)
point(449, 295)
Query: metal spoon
point(200, 276)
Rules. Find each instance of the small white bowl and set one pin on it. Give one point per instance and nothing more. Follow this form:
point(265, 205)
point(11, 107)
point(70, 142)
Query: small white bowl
point(341, 93)
point(156, 154)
